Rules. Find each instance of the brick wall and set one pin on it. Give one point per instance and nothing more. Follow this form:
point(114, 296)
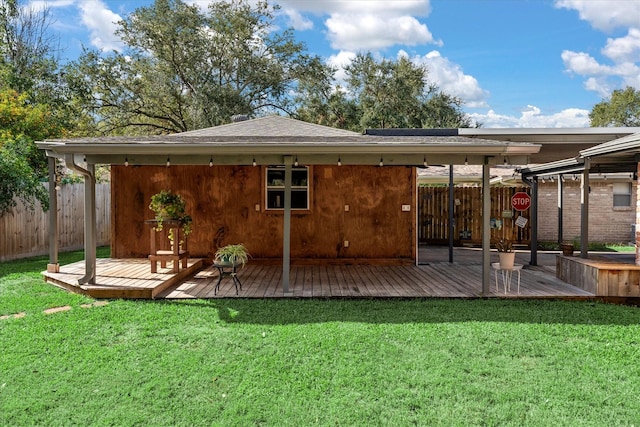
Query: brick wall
point(606, 223)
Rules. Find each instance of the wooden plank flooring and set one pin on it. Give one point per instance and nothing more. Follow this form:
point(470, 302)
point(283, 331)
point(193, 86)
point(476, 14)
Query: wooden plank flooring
point(357, 281)
point(131, 278)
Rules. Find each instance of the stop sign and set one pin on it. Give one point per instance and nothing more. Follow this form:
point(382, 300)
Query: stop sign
point(521, 201)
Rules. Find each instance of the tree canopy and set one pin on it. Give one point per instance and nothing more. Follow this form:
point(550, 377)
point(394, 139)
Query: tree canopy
point(380, 94)
point(622, 109)
point(185, 68)
point(31, 103)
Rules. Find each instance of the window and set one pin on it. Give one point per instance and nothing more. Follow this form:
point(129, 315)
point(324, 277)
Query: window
point(621, 194)
point(299, 188)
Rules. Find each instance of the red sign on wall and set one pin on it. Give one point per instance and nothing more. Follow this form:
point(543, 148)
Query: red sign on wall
point(521, 201)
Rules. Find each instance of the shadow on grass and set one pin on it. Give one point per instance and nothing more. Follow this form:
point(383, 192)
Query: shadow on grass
point(38, 264)
point(392, 311)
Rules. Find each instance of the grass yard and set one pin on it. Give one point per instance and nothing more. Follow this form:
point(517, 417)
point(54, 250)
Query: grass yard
point(239, 362)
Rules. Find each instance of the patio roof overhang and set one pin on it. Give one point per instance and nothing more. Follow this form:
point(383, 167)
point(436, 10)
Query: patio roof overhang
point(354, 150)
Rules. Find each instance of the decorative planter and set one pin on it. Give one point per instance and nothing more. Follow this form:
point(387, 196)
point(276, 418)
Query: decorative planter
point(507, 259)
point(567, 249)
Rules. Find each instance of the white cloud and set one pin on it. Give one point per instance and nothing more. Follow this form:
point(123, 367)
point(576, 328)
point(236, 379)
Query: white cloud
point(605, 15)
point(601, 78)
point(368, 25)
point(51, 4)
point(624, 49)
point(532, 117)
point(339, 61)
point(369, 31)
point(385, 8)
point(297, 21)
point(101, 23)
point(451, 79)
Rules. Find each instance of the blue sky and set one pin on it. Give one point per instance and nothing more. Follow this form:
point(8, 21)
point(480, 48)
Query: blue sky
point(515, 63)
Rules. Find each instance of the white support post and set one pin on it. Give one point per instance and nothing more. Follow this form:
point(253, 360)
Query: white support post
point(486, 228)
point(54, 264)
point(286, 235)
point(584, 211)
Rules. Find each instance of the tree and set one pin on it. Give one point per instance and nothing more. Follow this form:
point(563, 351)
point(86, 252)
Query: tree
point(31, 103)
point(622, 109)
point(186, 69)
point(17, 177)
point(22, 164)
point(380, 94)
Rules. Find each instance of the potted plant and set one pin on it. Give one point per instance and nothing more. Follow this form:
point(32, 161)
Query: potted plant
point(232, 255)
point(506, 253)
point(567, 248)
point(170, 206)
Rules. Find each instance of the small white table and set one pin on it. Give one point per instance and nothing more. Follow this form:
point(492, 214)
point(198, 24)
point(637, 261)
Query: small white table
point(507, 273)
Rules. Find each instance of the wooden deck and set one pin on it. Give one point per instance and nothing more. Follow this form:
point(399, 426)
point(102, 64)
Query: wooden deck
point(131, 278)
point(122, 278)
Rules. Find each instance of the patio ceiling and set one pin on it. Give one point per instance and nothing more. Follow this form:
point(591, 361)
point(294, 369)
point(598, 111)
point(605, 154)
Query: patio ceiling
point(619, 155)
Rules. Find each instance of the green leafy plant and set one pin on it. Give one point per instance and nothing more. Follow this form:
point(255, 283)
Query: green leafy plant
point(167, 205)
point(504, 245)
point(232, 254)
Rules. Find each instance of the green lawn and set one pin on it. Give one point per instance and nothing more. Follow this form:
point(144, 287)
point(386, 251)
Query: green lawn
point(237, 362)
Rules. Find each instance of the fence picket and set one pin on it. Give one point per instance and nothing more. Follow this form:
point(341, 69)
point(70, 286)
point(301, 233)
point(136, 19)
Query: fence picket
point(433, 215)
point(24, 233)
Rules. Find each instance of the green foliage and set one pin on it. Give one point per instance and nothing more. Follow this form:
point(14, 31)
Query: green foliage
point(18, 179)
point(622, 109)
point(379, 94)
point(232, 254)
point(168, 205)
point(185, 68)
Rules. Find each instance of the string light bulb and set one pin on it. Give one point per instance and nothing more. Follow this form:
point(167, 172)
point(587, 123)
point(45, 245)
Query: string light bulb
point(254, 162)
point(381, 162)
point(296, 162)
point(168, 162)
point(339, 162)
point(211, 161)
point(424, 162)
point(466, 161)
point(126, 161)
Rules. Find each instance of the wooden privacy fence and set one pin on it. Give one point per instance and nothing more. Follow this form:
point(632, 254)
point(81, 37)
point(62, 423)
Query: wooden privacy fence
point(433, 215)
point(24, 233)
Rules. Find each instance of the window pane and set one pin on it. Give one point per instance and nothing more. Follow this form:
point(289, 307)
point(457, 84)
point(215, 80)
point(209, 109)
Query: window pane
point(621, 188)
point(299, 199)
point(622, 200)
point(299, 177)
point(275, 177)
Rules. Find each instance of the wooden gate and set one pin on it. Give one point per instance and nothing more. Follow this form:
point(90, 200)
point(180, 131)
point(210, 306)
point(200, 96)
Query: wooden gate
point(433, 215)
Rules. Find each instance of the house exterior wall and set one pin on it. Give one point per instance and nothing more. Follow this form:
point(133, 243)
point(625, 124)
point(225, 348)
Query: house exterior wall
point(227, 204)
point(607, 224)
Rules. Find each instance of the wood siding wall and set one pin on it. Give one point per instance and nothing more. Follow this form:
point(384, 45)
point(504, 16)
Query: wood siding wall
point(433, 218)
point(227, 206)
point(25, 233)
point(601, 278)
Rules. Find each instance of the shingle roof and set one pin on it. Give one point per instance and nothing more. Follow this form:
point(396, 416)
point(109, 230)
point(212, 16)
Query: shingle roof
point(270, 126)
